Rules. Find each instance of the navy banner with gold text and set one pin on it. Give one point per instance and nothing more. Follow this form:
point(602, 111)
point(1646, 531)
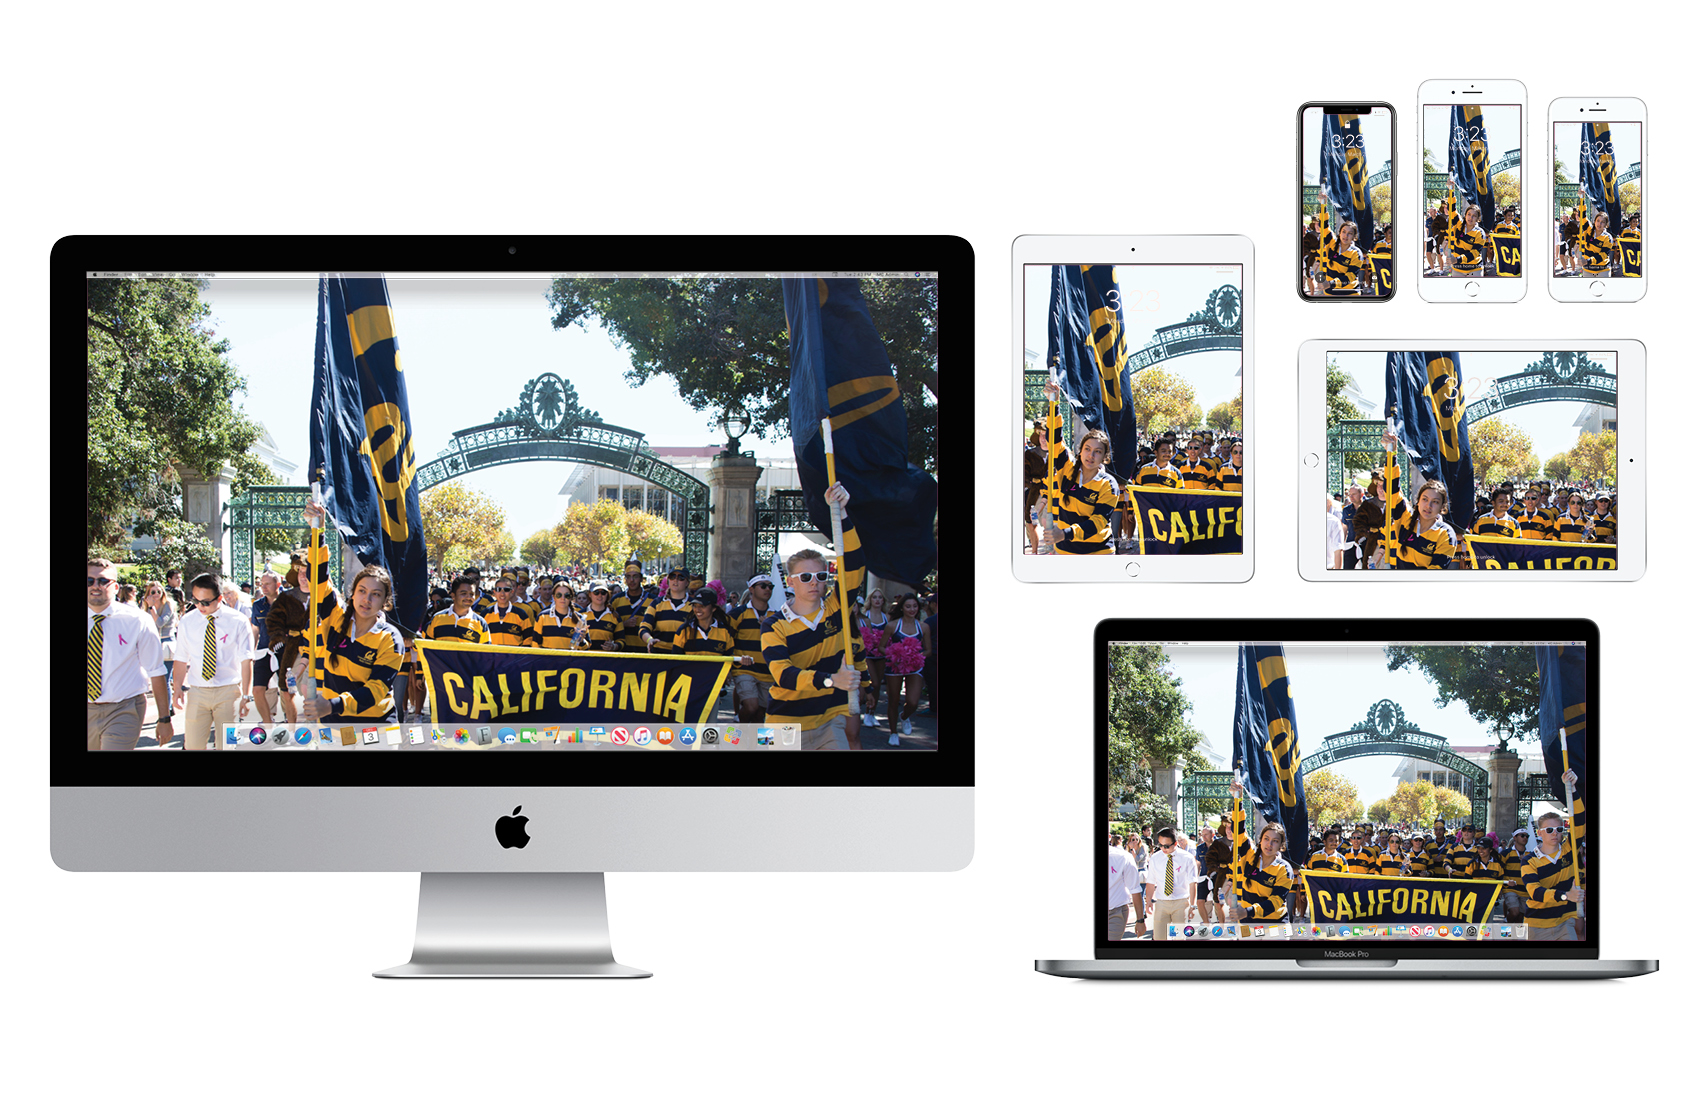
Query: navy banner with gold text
point(472, 682)
point(1493, 552)
point(1187, 521)
point(1379, 899)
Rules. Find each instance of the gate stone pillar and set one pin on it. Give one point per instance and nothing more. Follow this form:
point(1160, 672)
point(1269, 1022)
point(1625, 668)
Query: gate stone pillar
point(1502, 792)
point(732, 518)
point(205, 499)
point(1166, 783)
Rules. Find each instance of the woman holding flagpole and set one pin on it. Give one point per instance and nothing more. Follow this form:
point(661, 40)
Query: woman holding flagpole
point(357, 650)
point(1087, 496)
point(1417, 538)
point(1263, 875)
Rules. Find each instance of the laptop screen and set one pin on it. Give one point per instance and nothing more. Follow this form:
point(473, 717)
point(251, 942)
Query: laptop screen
point(1331, 791)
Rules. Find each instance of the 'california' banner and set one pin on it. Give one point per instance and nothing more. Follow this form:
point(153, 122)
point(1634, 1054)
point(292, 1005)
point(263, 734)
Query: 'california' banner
point(1493, 552)
point(1340, 897)
point(473, 682)
point(1187, 521)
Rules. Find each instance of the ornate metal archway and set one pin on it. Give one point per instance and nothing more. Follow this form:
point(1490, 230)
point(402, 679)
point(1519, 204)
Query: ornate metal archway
point(1555, 376)
point(1197, 787)
point(1564, 195)
point(1385, 732)
point(548, 425)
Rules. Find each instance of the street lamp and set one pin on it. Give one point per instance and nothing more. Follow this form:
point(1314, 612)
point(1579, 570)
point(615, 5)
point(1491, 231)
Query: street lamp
point(735, 422)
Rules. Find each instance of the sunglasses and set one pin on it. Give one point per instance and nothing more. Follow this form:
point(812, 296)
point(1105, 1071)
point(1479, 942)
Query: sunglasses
point(1550, 829)
point(678, 576)
point(101, 581)
point(763, 584)
point(807, 577)
point(198, 602)
point(507, 589)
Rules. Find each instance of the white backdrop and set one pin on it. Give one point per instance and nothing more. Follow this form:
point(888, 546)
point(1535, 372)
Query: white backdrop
point(986, 121)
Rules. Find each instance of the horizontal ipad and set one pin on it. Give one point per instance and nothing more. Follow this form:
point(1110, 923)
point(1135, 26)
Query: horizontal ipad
point(1133, 435)
point(1489, 459)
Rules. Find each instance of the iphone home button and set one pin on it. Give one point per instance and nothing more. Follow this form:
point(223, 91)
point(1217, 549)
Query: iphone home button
point(1472, 288)
point(1132, 568)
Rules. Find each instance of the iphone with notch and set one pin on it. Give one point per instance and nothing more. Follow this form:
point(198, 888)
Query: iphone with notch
point(1599, 156)
point(1470, 135)
point(1346, 174)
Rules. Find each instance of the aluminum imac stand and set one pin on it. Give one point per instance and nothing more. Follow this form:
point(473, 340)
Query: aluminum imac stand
point(500, 925)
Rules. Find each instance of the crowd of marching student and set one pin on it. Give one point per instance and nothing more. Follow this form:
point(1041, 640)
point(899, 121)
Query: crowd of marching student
point(1458, 244)
point(1096, 513)
point(254, 656)
point(1424, 538)
point(1221, 876)
point(1585, 246)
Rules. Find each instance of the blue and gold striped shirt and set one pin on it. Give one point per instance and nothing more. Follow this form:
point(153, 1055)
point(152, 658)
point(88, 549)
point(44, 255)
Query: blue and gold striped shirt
point(802, 654)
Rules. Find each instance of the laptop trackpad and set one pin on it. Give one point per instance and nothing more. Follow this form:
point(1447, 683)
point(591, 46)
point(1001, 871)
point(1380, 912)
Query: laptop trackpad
point(1348, 964)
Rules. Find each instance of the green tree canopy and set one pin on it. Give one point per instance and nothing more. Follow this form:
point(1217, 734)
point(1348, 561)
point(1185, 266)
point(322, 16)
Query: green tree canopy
point(1500, 449)
point(1330, 797)
point(1498, 684)
point(460, 524)
point(723, 342)
point(540, 548)
point(160, 389)
point(1147, 722)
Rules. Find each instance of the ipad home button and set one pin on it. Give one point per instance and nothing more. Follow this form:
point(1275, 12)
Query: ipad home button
point(1597, 288)
point(1311, 460)
point(1132, 568)
point(1472, 288)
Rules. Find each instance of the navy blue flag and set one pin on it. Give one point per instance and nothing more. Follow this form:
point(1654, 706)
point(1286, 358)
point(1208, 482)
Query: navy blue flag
point(1425, 402)
point(1087, 347)
point(1266, 744)
point(1468, 163)
point(1345, 176)
point(362, 438)
point(1598, 178)
point(1564, 712)
point(838, 363)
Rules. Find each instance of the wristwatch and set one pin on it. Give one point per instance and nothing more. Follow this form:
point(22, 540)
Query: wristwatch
point(246, 699)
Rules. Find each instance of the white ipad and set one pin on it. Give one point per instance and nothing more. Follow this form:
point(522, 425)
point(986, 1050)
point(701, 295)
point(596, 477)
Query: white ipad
point(1133, 430)
point(1470, 140)
point(1485, 460)
point(1599, 173)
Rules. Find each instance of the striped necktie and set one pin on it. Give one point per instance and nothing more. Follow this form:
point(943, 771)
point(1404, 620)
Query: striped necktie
point(209, 653)
point(95, 637)
point(1169, 876)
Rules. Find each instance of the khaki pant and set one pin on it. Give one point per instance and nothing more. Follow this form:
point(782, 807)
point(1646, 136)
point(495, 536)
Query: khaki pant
point(1164, 912)
point(833, 735)
point(746, 687)
point(208, 710)
point(1565, 930)
point(116, 726)
point(1118, 922)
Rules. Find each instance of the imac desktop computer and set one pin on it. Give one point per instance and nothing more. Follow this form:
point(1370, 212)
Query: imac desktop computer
point(314, 470)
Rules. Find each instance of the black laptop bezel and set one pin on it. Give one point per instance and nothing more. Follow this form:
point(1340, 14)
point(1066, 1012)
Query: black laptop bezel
point(74, 258)
point(1282, 631)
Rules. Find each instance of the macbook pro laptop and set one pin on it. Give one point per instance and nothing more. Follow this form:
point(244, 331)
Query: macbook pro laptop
point(1347, 799)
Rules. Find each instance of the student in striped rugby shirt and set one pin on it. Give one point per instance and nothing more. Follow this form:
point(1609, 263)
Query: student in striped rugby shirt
point(1515, 894)
point(559, 627)
point(1555, 890)
point(459, 622)
point(508, 622)
point(604, 629)
point(803, 647)
point(1088, 492)
point(1267, 874)
point(1460, 857)
point(752, 683)
point(1197, 470)
point(1360, 859)
point(1605, 520)
point(1499, 523)
point(707, 632)
point(1574, 524)
point(1232, 472)
point(667, 613)
point(1391, 859)
point(1160, 470)
point(630, 604)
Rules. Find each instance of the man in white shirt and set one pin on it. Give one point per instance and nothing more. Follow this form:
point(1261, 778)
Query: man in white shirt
point(215, 665)
point(124, 659)
point(1124, 893)
point(1169, 875)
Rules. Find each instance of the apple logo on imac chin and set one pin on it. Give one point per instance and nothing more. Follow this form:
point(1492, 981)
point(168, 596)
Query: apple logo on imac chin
point(510, 831)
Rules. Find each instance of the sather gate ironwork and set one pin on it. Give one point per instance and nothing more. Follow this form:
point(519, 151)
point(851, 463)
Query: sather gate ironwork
point(1198, 787)
point(548, 425)
point(266, 521)
point(1555, 376)
point(1385, 732)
